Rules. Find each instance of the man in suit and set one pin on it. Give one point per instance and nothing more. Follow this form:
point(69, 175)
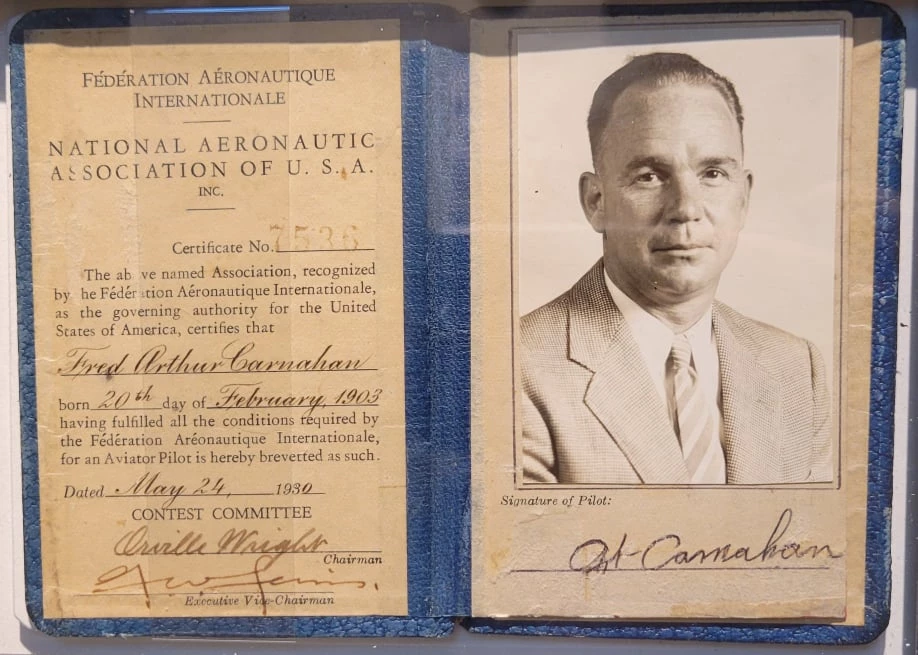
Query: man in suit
point(637, 375)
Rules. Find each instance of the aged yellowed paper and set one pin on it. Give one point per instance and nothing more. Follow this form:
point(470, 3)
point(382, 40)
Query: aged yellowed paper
point(588, 502)
point(217, 266)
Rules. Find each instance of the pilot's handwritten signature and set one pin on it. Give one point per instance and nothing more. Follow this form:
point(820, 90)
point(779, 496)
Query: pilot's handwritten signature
point(669, 552)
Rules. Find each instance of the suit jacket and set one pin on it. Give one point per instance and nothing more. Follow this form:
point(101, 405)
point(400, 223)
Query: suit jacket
point(591, 413)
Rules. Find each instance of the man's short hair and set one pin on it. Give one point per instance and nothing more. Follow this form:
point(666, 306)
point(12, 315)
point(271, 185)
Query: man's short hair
point(657, 70)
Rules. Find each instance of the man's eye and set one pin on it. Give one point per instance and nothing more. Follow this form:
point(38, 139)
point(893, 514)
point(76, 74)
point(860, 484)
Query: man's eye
point(648, 177)
point(714, 175)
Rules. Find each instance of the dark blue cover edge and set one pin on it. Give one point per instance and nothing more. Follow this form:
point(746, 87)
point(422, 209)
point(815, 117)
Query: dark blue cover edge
point(423, 619)
point(417, 375)
point(883, 369)
point(449, 275)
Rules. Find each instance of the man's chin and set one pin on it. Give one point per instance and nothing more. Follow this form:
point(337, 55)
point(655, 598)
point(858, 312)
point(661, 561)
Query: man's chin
point(683, 288)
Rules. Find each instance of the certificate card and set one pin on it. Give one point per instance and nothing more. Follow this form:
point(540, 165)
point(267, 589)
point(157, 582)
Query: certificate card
point(213, 243)
point(346, 321)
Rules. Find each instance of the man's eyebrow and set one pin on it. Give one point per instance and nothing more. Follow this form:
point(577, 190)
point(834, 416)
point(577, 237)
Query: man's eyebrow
point(720, 161)
point(659, 164)
point(647, 161)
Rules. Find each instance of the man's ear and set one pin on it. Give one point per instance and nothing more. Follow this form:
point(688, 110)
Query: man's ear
point(747, 191)
point(591, 200)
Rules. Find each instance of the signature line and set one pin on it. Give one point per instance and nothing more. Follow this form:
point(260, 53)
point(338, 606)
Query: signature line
point(677, 569)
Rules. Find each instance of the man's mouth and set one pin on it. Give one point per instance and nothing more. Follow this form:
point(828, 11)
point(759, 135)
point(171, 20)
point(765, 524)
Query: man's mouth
point(679, 247)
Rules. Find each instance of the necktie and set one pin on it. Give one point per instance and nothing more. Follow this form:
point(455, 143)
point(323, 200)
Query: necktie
point(696, 428)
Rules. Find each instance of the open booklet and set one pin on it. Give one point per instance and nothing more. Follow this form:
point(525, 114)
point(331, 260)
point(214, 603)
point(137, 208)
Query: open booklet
point(362, 320)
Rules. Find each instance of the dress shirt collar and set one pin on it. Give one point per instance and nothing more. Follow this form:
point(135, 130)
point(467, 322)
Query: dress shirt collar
point(654, 337)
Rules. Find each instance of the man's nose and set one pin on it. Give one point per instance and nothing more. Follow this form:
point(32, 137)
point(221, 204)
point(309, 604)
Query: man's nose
point(685, 199)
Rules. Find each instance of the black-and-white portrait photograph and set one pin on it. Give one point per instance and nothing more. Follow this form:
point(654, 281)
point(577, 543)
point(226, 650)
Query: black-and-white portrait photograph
point(679, 207)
